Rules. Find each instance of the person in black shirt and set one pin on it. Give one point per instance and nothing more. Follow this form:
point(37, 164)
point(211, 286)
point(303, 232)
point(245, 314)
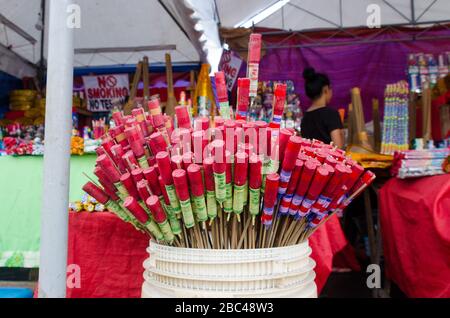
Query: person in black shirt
point(319, 121)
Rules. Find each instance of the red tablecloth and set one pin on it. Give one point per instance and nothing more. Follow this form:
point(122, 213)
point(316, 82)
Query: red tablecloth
point(415, 224)
point(110, 254)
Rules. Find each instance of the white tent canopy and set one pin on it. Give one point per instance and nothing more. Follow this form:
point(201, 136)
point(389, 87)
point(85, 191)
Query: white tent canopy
point(115, 32)
point(301, 15)
point(135, 28)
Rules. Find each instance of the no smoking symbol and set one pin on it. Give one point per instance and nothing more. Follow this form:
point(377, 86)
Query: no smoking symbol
point(111, 81)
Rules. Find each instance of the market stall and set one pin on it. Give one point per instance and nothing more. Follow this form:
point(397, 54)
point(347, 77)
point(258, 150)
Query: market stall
point(211, 188)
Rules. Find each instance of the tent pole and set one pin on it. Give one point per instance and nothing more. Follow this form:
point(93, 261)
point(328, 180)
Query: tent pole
point(58, 123)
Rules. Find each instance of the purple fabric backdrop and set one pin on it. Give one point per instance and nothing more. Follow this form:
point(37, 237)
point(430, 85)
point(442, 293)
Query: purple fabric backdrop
point(367, 66)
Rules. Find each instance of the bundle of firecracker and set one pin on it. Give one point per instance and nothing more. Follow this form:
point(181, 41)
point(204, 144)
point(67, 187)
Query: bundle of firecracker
point(419, 163)
point(227, 184)
point(396, 119)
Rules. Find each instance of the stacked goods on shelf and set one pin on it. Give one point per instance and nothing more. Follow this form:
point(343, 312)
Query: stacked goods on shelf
point(234, 185)
point(87, 203)
point(22, 100)
point(425, 68)
point(395, 123)
point(418, 163)
point(23, 140)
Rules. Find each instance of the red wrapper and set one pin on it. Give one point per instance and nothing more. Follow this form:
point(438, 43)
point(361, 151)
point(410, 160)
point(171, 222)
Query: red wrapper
point(164, 166)
point(218, 121)
point(365, 180)
point(143, 190)
point(107, 143)
point(195, 180)
point(242, 98)
point(331, 161)
point(250, 133)
point(157, 143)
point(255, 172)
point(254, 48)
point(108, 166)
point(118, 118)
point(95, 192)
point(101, 174)
point(306, 176)
point(181, 184)
point(278, 105)
point(151, 175)
point(228, 167)
point(302, 156)
point(118, 133)
point(240, 168)
point(209, 173)
point(293, 182)
point(247, 148)
point(285, 135)
point(318, 182)
point(357, 171)
point(133, 206)
point(240, 122)
point(177, 162)
point(137, 175)
point(228, 134)
point(218, 151)
point(198, 144)
point(159, 122)
point(188, 159)
point(202, 123)
point(183, 119)
point(130, 160)
point(270, 192)
point(109, 189)
point(163, 190)
point(117, 152)
point(100, 151)
point(156, 209)
point(291, 153)
point(221, 87)
point(321, 155)
point(238, 138)
point(153, 107)
point(129, 184)
point(269, 145)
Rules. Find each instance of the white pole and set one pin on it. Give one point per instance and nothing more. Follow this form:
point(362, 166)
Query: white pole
point(58, 124)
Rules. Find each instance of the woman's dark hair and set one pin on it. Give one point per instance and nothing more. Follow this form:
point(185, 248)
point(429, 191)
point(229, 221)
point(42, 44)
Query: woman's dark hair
point(314, 83)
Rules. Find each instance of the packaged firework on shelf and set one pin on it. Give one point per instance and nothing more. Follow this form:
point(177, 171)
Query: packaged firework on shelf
point(227, 184)
point(396, 118)
point(88, 204)
point(420, 162)
point(292, 114)
point(19, 140)
point(426, 68)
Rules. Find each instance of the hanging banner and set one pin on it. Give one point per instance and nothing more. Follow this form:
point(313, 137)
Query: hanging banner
point(230, 64)
point(101, 90)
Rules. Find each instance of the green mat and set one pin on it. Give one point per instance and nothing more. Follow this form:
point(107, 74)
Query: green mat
point(20, 204)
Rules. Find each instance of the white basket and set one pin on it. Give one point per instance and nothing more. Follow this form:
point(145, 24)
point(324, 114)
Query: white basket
point(271, 272)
